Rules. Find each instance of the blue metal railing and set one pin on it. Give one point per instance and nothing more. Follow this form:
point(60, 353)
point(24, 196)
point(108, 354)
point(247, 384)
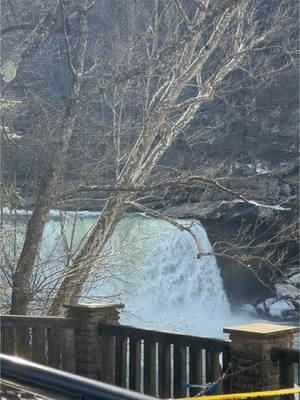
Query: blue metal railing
point(57, 384)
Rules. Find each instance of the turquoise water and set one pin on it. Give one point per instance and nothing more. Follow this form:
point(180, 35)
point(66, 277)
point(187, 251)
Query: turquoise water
point(149, 265)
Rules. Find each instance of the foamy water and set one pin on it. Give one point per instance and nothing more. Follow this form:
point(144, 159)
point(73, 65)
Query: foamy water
point(150, 266)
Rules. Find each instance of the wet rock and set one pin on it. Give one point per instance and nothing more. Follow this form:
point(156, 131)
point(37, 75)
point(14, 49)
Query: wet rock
point(294, 279)
point(286, 290)
point(226, 210)
point(281, 308)
point(265, 305)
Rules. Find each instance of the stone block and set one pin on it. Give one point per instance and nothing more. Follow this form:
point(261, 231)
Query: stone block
point(251, 347)
point(88, 342)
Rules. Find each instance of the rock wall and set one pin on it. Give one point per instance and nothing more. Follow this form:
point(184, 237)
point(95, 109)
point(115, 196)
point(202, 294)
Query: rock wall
point(246, 237)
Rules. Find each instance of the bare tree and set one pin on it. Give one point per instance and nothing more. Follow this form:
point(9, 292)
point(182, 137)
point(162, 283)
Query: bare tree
point(21, 292)
point(187, 56)
point(231, 35)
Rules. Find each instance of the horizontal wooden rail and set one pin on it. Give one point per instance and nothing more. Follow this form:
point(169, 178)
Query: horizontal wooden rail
point(46, 340)
point(152, 336)
point(161, 363)
point(286, 355)
point(37, 322)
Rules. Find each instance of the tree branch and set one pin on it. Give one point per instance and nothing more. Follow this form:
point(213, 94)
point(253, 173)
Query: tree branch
point(66, 37)
point(165, 57)
point(183, 13)
point(18, 27)
point(183, 182)
point(170, 220)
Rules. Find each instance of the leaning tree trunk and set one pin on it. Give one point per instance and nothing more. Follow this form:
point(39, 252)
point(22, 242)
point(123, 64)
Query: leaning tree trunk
point(21, 292)
point(142, 159)
point(162, 126)
point(75, 277)
point(21, 282)
point(21, 288)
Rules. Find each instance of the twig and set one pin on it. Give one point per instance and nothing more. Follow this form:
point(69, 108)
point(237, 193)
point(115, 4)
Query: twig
point(170, 220)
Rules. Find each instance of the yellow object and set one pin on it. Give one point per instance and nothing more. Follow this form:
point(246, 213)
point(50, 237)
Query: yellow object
point(249, 395)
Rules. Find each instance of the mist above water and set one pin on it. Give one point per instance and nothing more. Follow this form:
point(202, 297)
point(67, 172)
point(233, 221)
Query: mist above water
point(163, 282)
point(150, 266)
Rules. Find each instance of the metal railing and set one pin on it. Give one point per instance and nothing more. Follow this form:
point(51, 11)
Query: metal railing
point(55, 384)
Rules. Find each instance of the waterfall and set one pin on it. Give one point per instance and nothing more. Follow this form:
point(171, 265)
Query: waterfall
point(150, 266)
point(160, 279)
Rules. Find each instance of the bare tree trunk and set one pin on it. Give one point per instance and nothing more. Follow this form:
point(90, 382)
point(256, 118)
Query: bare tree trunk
point(142, 158)
point(21, 291)
point(75, 277)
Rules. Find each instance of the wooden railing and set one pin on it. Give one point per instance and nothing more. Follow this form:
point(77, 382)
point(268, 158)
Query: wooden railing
point(45, 340)
point(161, 363)
point(289, 372)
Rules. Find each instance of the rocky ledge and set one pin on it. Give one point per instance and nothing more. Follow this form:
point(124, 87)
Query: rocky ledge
point(286, 308)
point(226, 210)
point(285, 305)
point(222, 220)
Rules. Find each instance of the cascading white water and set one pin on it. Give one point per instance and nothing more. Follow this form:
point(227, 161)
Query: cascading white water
point(162, 283)
point(152, 267)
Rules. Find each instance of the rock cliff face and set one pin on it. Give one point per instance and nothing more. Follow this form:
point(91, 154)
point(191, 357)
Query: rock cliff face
point(285, 304)
point(241, 234)
point(258, 158)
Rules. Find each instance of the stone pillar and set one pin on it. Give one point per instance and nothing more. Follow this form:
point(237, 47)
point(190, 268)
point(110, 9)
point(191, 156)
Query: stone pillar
point(88, 344)
point(252, 367)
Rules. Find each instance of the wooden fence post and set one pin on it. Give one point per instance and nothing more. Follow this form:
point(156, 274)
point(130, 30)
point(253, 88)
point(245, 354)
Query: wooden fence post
point(88, 343)
point(252, 365)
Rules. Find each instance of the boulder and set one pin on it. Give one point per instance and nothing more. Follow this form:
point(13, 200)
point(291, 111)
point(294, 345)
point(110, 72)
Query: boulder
point(286, 290)
point(281, 308)
point(294, 279)
point(264, 306)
